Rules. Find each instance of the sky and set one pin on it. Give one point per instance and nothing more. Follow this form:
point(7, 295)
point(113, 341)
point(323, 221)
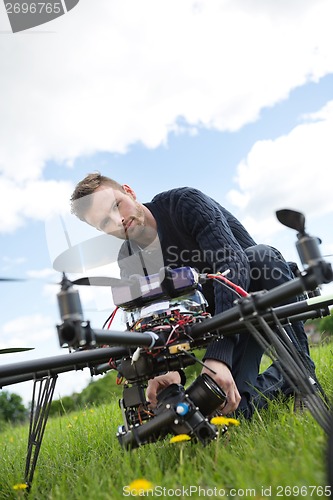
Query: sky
point(232, 97)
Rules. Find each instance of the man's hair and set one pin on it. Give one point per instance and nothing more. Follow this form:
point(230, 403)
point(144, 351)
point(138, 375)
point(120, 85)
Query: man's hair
point(81, 200)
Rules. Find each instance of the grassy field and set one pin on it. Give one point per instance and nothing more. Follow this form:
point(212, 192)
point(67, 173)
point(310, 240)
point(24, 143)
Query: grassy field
point(279, 454)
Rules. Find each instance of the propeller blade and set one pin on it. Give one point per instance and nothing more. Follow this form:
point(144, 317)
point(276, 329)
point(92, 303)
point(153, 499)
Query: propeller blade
point(95, 252)
point(100, 281)
point(12, 279)
point(15, 349)
point(291, 218)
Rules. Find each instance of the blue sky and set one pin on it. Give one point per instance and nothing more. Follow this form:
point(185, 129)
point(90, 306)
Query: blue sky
point(235, 99)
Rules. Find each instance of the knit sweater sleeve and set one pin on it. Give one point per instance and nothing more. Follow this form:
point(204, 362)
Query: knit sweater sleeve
point(202, 218)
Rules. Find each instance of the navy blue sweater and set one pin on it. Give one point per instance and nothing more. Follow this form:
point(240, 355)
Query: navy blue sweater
point(194, 230)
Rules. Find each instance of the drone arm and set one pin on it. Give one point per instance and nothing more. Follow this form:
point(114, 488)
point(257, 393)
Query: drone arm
point(297, 311)
point(76, 334)
point(261, 302)
point(29, 370)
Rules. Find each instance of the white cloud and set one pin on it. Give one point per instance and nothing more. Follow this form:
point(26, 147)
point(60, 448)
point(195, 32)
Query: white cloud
point(107, 75)
point(292, 171)
point(119, 72)
point(31, 199)
point(42, 273)
point(27, 329)
point(8, 263)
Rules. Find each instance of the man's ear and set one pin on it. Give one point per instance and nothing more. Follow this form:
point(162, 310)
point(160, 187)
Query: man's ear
point(129, 191)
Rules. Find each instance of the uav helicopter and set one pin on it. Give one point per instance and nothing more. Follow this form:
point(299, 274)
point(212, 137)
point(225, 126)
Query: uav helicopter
point(147, 348)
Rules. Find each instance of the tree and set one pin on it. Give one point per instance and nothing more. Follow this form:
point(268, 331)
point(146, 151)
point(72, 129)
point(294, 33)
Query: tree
point(97, 392)
point(326, 324)
point(64, 405)
point(12, 408)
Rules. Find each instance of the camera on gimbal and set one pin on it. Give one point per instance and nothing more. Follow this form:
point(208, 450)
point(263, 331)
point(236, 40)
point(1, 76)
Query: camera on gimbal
point(178, 411)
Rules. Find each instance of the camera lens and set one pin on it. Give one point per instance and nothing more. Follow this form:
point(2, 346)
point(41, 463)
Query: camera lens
point(206, 394)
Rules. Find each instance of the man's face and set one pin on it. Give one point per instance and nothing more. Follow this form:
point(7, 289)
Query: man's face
point(116, 212)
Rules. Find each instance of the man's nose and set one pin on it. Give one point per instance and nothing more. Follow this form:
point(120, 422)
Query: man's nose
point(117, 221)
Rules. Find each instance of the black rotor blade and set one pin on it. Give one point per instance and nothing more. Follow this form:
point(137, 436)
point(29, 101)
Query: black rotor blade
point(15, 349)
point(11, 279)
point(100, 281)
point(291, 218)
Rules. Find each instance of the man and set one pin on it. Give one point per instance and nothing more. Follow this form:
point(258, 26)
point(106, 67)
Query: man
point(194, 230)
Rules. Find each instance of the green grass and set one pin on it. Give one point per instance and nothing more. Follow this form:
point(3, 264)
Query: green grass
point(81, 458)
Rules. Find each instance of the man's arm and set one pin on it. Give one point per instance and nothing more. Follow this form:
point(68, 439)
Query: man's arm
point(221, 375)
point(203, 219)
point(225, 380)
point(215, 369)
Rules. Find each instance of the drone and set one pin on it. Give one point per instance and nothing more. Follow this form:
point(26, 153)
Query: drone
point(167, 321)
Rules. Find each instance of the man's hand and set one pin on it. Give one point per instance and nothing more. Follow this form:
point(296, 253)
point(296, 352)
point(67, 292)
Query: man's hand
point(155, 385)
point(225, 380)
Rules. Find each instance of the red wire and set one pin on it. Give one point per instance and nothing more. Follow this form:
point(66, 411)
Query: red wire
point(112, 317)
point(238, 289)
